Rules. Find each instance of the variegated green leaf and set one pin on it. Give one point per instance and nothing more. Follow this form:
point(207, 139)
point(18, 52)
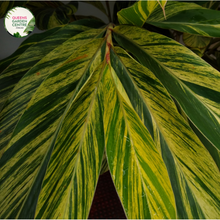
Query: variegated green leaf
point(193, 82)
point(50, 14)
point(213, 151)
point(197, 44)
point(118, 6)
point(22, 60)
point(84, 101)
point(65, 79)
point(33, 39)
point(187, 17)
point(20, 96)
point(138, 172)
point(194, 191)
point(138, 13)
point(70, 184)
point(181, 16)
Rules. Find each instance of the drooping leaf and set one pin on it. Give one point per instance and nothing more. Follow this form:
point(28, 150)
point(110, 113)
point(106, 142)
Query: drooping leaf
point(86, 97)
point(197, 44)
point(50, 14)
point(81, 143)
point(190, 80)
point(35, 134)
point(213, 151)
point(138, 13)
point(181, 16)
point(57, 54)
point(38, 44)
point(138, 172)
point(187, 17)
point(173, 139)
point(33, 39)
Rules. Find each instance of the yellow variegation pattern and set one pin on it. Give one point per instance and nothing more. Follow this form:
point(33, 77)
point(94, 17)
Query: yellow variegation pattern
point(20, 96)
point(147, 109)
point(81, 142)
point(181, 16)
point(44, 122)
point(176, 65)
point(136, 167)
point(140, 11)
point(164, 123)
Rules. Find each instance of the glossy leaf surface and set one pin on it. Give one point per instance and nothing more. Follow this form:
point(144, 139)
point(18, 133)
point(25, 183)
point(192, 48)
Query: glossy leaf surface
point(157, 111)
point(138, 13)
point(85, 104)
point(184, 17)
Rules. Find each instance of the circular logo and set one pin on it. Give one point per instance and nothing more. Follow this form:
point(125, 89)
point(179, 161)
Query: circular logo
point(19, 22)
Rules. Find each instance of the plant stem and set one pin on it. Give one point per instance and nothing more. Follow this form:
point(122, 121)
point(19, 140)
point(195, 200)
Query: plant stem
point(108, 43)
point(109, 13)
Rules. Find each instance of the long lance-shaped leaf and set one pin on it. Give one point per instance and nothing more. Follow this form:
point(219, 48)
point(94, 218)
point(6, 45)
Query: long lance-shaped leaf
point(187, 17)
point(10, 77)
point(138, 13)
point(181, 16)
point(34, 77)
point(137, 169)
point(23, 59)
point(194, 179)
point(69, 184)
point(33, 39)
point(213, 151)
point(30, 147)
point(192, 81)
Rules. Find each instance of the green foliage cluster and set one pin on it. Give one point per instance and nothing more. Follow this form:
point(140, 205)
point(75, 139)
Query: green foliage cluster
point(139, 97)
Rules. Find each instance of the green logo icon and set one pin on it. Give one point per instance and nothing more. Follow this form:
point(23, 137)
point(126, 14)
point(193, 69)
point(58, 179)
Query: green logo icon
point(19, 22)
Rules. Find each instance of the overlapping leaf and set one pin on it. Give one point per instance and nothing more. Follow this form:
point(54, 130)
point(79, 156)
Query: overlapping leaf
point(83, 97)
point(181, 16)
point(33, 138)
point(138, 13)
point(193, 82)
point(138, 172)
point(54, 55)
point(173, 138)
